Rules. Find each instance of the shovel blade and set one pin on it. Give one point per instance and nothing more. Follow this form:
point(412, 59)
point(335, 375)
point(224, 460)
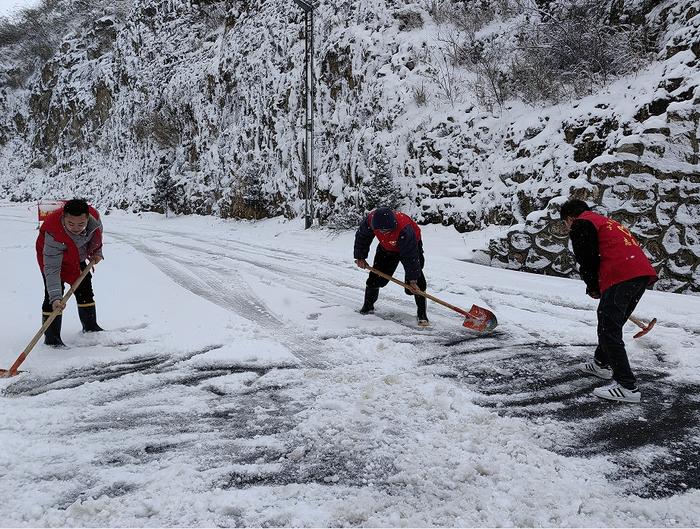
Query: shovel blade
point(646, 329)
point(480, 319)
point(6, 373)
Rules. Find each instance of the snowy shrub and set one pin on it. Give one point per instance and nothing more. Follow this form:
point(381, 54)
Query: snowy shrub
point(346, 218)
point(420, 95)
point(34, 34)
point(439, 10)
point(485, 55)
point(570, 47)
point(30, 40)
point(442, 71)
point(408, 19)
point(247, 198)
point(492, 85)
point(465, 15)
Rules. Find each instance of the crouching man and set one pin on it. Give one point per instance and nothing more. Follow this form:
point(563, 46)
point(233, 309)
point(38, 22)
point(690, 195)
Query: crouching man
point(66, 239)
point(399, 241)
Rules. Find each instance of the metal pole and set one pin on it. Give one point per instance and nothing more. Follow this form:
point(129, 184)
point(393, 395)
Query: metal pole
point(309, 119)
point(309, 184)
point(311, 112)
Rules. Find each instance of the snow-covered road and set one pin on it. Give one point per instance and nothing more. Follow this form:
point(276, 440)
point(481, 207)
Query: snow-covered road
point(236, 385)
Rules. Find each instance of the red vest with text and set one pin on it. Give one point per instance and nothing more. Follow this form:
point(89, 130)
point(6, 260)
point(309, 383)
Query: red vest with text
point(621, 257)
point(53, 225)
point(389, 241)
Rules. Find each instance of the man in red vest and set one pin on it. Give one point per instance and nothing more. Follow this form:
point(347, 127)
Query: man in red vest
point(399, 241)
point(66, 239)
point(617, 272)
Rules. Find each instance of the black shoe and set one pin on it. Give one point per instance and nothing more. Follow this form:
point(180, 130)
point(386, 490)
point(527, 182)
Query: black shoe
point(422, 320)
point(52, 335)
point(422, 314)
point(371, 295)
point(88, 317)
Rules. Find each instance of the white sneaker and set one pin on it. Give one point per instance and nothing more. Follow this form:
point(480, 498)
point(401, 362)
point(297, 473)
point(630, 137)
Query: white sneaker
point(617, 392)
point(591, 368)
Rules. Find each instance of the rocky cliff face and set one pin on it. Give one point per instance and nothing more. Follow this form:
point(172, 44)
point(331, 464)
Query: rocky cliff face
point(210, 95)
point(638, 161)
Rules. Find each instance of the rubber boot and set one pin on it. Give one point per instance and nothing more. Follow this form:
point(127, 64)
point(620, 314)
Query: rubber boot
point(371, 295)
point(88, 317)
point(421, 313)
point(52, 335)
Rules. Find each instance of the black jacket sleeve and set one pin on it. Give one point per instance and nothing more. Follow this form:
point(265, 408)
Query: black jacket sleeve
point(409, 253)
point(363, 240)
point(584, 239)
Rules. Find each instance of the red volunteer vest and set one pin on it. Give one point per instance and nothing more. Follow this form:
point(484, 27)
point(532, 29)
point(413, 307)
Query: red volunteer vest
point(390, 240)
point(621, 257)
point(70, 266)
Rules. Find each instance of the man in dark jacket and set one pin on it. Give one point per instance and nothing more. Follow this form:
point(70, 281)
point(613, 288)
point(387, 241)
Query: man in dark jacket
point(66, 239)
point(617, 272)
point(399, 241)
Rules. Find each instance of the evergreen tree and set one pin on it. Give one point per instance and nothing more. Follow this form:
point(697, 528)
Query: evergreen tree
point(381, 189)
point(165, 193)
point(253, 195)
point(254, 200)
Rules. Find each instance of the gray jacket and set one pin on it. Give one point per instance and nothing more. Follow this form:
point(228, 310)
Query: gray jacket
point(53, 255)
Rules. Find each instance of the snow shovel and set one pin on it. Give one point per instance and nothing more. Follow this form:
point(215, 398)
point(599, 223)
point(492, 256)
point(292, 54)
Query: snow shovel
point(477, 318)
point(6, 373)
point(646, 327)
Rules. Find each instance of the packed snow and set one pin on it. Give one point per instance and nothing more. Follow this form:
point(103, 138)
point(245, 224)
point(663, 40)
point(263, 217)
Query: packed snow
point(237, 385)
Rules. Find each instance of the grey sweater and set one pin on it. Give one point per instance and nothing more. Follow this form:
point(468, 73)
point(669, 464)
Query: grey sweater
point(53, 255)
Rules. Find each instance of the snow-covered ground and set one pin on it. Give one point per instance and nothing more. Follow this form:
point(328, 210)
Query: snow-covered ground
point(237, 385)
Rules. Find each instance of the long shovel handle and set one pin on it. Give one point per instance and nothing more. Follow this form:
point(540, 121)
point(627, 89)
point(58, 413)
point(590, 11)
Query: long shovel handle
point(13, 370)
point(639, 323)
point(420, 292)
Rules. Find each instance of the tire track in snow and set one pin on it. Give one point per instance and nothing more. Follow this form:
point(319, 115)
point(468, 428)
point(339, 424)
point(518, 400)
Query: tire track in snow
point(213, 285)
point(315, 281)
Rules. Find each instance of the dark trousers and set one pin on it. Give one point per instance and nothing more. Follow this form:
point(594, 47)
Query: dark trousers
point(616, 305)
point(83, 294)
point(387, 262)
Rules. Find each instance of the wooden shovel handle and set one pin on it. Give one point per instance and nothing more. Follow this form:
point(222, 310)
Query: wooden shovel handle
point(420, 292)
point(639, 323)
point(13, 370)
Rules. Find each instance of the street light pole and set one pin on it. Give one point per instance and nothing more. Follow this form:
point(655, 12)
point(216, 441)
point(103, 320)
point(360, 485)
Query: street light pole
point(308, 9)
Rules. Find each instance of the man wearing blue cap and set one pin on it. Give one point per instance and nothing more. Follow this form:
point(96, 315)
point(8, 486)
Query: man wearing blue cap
point(399, 241)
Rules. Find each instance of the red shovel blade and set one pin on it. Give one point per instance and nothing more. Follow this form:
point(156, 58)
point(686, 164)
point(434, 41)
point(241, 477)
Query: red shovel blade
point(646, 329)
point(480, 319)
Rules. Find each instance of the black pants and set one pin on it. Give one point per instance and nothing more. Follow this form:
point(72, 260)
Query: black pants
point(616, 305)
point(83, 294)
point(387, 262)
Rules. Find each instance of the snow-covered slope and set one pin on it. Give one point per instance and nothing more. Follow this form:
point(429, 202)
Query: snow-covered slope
point(211, 95)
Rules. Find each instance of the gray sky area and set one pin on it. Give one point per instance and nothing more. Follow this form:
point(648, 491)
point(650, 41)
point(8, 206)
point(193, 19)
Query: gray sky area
point(7, 7)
